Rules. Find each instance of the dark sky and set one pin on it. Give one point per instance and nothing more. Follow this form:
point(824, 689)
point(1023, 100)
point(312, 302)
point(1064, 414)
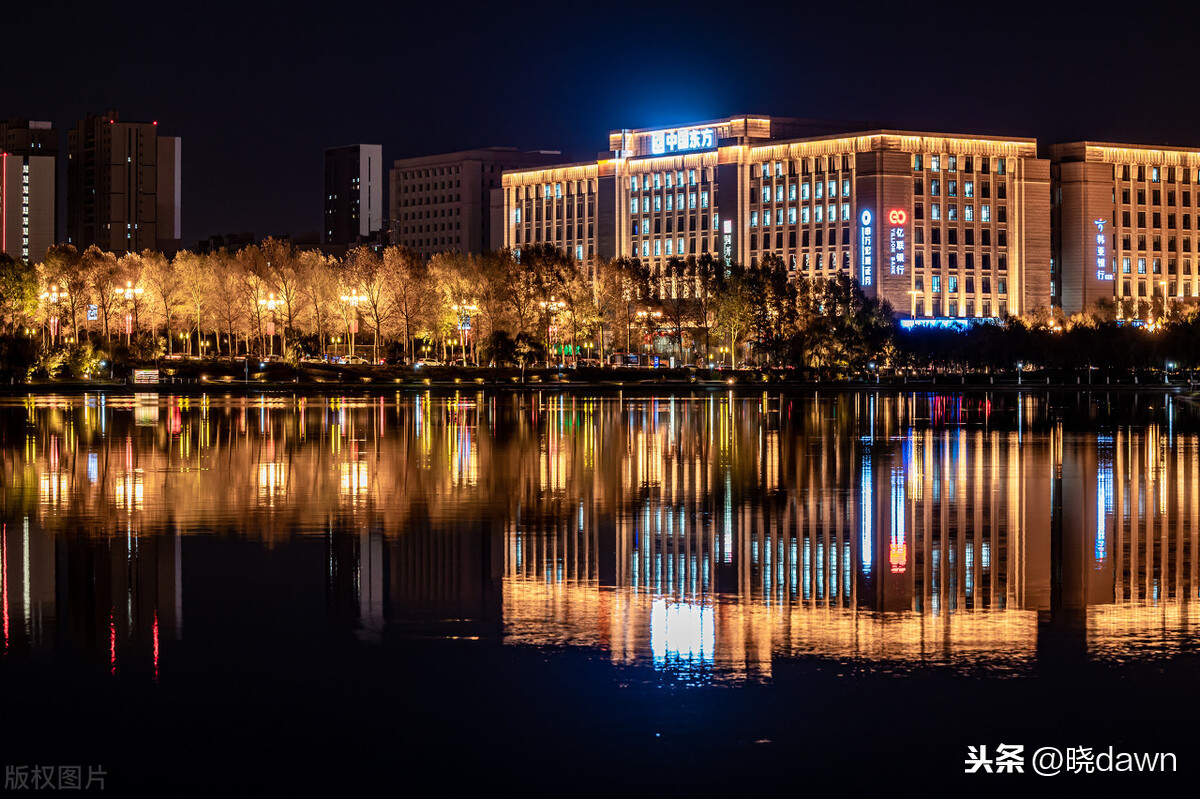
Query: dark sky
point(258, 91)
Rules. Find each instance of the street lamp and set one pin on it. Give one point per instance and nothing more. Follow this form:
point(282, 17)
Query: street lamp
point(643, 318)
point(269, 303)
point(464, 325)
point(130, 293)
point(51, 298)
point(553, 307)
point(353, 299)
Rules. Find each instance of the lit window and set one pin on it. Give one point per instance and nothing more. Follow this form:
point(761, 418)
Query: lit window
point(820, 208)
point(935, 187)
point(692, 176)
point(953, 284)
point(917, 161)
point(985, 213)
point(935, 283)
point(691, 199)
point(804, 215)
point(952, 188)
point(657, 202)
point(703, 199)
point(935, 163)
point(1141, 266)
point(633, 206)
point(766, 194)
point(779, 216)
point(952, 166)
point(670, 245)
point(754, 219)
point(657, 248)
point(791, 216)
point(779, 193)
point(935, 211)
point(1125, 264)
point(968, 188)
point(952, 212)
point(805, 194)
point(792, 192)
point(820, 190)
point(845, 212)
point(846, 187)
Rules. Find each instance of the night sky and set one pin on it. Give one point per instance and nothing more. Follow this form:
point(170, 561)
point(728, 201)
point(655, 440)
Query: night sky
point(257, 93)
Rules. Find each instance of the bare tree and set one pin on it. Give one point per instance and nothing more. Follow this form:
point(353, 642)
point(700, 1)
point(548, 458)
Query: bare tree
point(162, 280)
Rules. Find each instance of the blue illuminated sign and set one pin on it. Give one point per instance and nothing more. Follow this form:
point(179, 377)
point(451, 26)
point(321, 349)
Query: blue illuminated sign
point(675, 141)
point(866, 272)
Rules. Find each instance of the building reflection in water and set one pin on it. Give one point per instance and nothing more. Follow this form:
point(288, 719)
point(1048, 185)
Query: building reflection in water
point(708, 536)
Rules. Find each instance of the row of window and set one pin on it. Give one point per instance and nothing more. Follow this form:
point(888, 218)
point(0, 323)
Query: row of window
point(555, 190)
point(935, 309)
point(674, 202)
point(658, 180)
point(1155, 196)
point(440, 186)
point(805, 166)
point(968, 188)
point(431, 228)
point(645, 225)
point(443, 198)
point(536, 234)
point(968, 262)
point(1183, 289)
point(1156, 266)
point(1156, 243)
point(952, 284)
point(572, 211)
point(431, 214)
point(807, 191)
point(968, 163)
point(968, 212)
point(1156, 220)
point(1157, 173)
point(666, 248)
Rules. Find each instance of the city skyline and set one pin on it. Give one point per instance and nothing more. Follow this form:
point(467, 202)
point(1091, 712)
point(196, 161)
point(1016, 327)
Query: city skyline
point(258, 117)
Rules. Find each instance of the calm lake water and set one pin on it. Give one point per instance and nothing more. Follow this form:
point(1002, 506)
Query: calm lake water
point(571, 594)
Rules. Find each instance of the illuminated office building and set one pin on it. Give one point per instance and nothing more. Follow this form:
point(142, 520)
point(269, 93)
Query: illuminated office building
point(939, 225)
point(1124, 225)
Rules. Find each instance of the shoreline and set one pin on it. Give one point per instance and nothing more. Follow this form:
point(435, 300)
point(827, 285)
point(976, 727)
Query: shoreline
point(948, 385)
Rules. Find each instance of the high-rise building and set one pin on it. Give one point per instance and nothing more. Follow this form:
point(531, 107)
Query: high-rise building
point(443, 202)
point(28, 188)
point(944, 227)
point(353, 194)
point(1125, 225)
point(123, 186)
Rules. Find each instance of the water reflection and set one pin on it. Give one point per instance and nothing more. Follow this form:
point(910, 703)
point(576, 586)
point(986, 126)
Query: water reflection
point(708, 536)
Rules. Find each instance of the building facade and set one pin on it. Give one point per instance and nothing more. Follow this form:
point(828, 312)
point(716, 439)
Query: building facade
point(354, 211)
point(941, 226)
point(1124, 226)
point(123, 186)
point(28, 188)
point(444, 203)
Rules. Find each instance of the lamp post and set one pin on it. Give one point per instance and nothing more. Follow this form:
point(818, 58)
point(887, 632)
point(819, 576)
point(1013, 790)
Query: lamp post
point(352, 299)
point(464, 325)
point(130, 293)
point(51, 298)
point(643, 318)
point(552, 307)
point(1020, 368)
point(269, 303)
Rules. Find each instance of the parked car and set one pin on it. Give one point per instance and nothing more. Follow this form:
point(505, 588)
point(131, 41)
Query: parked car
point(428, 362)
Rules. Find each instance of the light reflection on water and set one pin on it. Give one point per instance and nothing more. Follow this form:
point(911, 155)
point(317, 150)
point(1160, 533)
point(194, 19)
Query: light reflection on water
point(708, 536)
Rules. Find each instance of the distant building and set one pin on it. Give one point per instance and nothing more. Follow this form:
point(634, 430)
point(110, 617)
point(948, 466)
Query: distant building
point(231, 242)
point(443, 203)
point(123, 186)
point(1126, 220)
point(353, 194)
point(28, 188)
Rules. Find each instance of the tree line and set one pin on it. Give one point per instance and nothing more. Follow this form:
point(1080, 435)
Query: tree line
point(521, 307)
